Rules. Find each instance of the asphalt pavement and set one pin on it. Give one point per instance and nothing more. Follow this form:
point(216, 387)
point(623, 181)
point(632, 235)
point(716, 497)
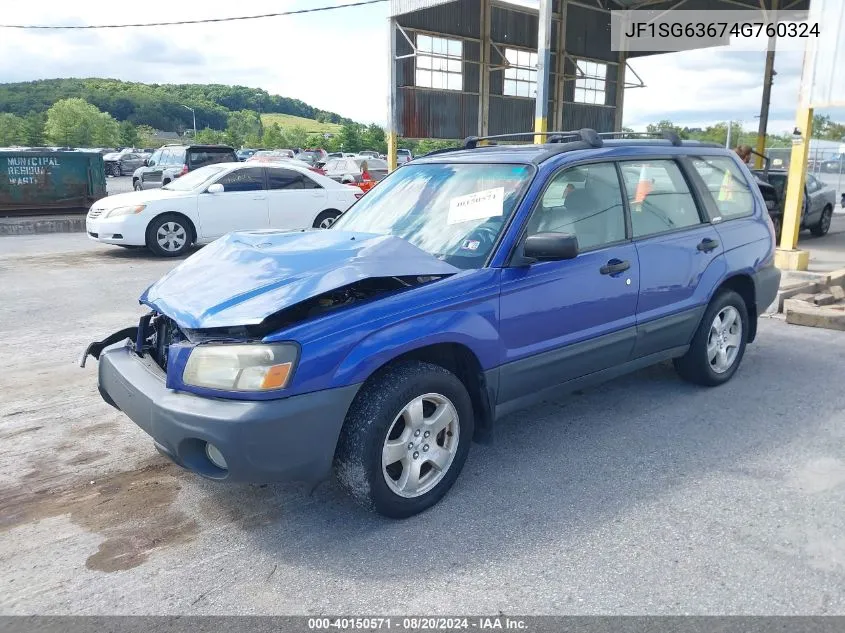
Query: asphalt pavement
point(642, 496)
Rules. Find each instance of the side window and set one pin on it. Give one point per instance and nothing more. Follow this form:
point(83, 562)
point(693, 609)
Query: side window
point(177, 157)
point(164, 159)
point(306, 182)
point(659, 197)
point(249, 179)
point(585, 201)
point(727, 184)
point(284, 179)
point(155, 159)
point(812, 184)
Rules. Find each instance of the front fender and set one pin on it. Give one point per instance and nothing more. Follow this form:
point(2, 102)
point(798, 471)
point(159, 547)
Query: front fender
point(475, 329)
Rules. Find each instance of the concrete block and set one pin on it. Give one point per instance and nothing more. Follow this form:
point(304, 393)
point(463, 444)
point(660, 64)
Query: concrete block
point(837, 277)
point(792, 259)
point(823, 299)
point(838, 292)
point(804, 296)
point(800, 313)
point(30, 225)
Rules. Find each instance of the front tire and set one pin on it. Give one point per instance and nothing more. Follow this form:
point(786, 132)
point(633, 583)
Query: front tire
point(169, 235)
point(326, 219)
point(821, 229)
point(405, 439)
point(719, 343)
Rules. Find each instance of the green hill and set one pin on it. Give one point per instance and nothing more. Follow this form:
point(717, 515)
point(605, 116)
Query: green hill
point(161, 105)
point(286, 121)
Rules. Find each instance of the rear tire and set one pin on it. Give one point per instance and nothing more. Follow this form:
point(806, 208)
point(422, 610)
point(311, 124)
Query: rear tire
point(136, 185)
point(821, 229)
point(718, 346)
point(405, 439)
point(326, 219)
point(169, 235)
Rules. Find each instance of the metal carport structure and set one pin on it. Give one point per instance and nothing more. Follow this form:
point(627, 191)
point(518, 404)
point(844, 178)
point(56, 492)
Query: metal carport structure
point(559, 41)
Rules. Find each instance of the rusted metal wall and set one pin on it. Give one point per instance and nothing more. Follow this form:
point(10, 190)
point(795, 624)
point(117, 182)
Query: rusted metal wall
point(50, 180)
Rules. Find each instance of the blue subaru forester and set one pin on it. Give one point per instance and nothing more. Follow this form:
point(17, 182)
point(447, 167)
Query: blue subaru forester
point(468, 284)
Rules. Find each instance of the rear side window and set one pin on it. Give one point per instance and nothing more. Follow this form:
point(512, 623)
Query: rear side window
point(727, 184)
point(177, 157)
point(659, 197)
point(288, 179)
point(202, 157)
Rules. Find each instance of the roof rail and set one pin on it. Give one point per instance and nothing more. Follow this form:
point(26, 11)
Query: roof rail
point(668, 135)
point(588, 135)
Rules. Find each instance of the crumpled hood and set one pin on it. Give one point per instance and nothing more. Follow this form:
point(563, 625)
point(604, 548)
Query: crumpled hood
point(243, 278)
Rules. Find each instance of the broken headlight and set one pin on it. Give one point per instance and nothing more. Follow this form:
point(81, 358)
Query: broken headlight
point(241, 367)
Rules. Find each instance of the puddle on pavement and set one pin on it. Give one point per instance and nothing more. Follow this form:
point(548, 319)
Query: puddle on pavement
point(132, 510)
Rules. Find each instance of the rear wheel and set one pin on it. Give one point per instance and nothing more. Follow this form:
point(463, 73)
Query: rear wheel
point(326, 219)
point(719, 343)
point(405, 439)
point(169, 235)
point(136, 185)
point(117, 170)
point(823, 226)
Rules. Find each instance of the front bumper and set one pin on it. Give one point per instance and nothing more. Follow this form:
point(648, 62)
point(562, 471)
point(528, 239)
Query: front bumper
point(130, 230)
point(292, 439)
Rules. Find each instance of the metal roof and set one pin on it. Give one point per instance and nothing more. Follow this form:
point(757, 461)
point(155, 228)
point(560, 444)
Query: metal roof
point(398, 7)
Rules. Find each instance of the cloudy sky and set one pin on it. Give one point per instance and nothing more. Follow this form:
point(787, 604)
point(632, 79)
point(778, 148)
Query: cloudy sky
point(337, 60)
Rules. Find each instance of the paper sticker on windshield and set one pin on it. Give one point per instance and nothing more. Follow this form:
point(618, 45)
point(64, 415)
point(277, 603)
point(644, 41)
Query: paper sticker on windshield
point(477, 206)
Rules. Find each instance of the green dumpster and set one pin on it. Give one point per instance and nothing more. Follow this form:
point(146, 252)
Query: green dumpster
point(47, 180)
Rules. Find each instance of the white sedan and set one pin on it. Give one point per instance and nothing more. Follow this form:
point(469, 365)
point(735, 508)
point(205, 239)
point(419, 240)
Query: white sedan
point(214, 200)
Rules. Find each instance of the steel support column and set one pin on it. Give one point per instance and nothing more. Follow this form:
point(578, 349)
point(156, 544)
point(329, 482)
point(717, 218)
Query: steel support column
point(620, 91)
point(392, 114)
point(560, 53)
point(484, 71)
point(544, 42)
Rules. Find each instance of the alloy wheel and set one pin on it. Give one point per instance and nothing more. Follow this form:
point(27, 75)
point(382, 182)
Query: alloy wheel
point(724, 339)
point(420, 445)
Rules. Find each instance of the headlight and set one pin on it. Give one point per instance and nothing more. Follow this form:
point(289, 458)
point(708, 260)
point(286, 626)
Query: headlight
point(137, 208)
point(236, 367)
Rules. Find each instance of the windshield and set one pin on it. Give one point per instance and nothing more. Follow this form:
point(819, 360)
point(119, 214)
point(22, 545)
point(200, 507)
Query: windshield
point(455, 212)
point(194, 179)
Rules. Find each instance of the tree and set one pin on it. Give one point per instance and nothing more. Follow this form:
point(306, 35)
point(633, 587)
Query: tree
point(243, 124)
point(146, 135)
point(273, 137)
point(297, 136)
point(350, 137)
point(76, 123)
point(33, 128)
point(129, 134)
point(373, 138)
point(11, 129)
point(431, 144)
point(208, 136)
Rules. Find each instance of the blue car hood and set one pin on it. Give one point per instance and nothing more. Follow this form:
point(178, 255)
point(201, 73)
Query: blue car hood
point(243, 278)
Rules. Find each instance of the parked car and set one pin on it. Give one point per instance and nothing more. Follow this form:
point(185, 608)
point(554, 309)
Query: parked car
point(465, 286)
point(368, 153)
point(216, 199)
point(339, 155)
point(126, 161)
point(172, 161)
point(404, 156)
point(312, 156)
point(270, 156)
point(349, 170)
point(245, 153)
point(819, 200)
point(833, 165)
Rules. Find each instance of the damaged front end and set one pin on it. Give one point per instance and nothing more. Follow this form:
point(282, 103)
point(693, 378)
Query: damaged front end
point(153, 336)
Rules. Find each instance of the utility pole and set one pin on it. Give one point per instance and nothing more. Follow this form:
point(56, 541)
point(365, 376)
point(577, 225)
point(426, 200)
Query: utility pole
point(728, 140)
point(768, 78)
point(195, 119)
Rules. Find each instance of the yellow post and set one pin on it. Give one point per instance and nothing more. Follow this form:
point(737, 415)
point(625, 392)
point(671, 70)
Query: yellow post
point(541, 126)
point(788, 257)
point(391, 150)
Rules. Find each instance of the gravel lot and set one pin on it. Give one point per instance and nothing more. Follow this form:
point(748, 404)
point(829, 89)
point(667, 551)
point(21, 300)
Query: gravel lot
point(645, 496)
point(118, 184)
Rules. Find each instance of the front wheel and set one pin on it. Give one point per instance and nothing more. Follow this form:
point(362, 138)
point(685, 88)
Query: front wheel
point(169, 235)
point(326, 219)
point(823, 226)
point(405, 439)
point(719, 343)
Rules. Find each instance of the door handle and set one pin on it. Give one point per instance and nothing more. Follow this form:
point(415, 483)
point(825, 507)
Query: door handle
point(614, 266)
point(707, 244)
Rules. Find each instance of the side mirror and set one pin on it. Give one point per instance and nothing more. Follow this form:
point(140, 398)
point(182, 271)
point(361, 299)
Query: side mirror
point(147, 163)
point(215, 188)
point(551, 246)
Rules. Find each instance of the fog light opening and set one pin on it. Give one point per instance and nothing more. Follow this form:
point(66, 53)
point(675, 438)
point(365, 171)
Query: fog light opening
point(215, 456)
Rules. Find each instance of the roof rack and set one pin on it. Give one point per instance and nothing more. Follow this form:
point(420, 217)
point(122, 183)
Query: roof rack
point(672, 137)
point(587, 135)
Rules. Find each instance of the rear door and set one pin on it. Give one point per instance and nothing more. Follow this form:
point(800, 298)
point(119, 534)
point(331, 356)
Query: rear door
point(152, 175)
point(241, 206)
point(295, 199)
point(676, 246)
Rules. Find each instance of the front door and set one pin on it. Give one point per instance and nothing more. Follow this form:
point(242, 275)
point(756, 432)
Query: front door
point(241, 206)
point(676, 246)
point(152, 174)
point(563, 319)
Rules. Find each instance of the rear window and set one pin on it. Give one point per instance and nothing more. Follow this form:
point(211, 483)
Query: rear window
point(727, 184)
point(201, 157)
